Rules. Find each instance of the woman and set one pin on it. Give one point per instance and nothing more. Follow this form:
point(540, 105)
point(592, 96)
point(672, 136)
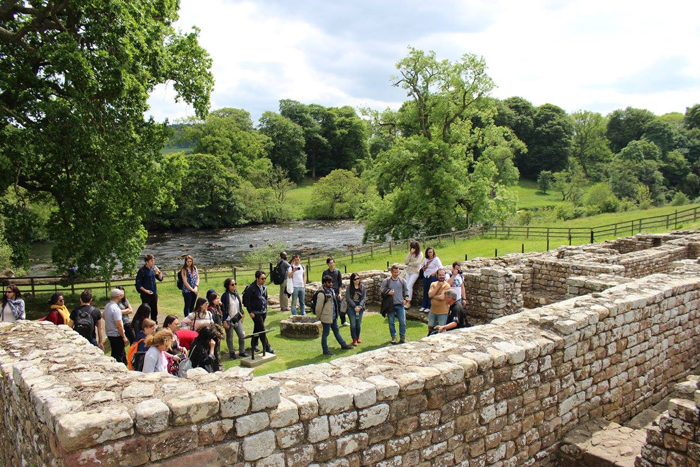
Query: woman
point(125, 306)
point(190, 284)
point(202, 353)
point(143, 312)
point(413, 263)
point(215, 308)
point(58, 313)
point(173, 323)
point(430, 266)
point(356, 297)
point(12, 305)
point(157, 359)
point(200, 318)
point(148, 328)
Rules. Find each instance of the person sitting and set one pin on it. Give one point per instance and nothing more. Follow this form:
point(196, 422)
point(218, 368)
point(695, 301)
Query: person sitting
point(437, 316)
point(58, 313)
point(157, 359)
point(456, 318)
point(200, 318)
point(173, 323)
point(143, 312)
point(148, 328)
point(202, 353)
point(186, 337)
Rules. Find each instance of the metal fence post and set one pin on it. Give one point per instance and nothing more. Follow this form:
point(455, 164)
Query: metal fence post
point(522, 248)
point(675, 222)
point(592, 236)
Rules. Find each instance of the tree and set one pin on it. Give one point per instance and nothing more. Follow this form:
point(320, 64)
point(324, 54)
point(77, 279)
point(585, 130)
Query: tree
point(544, 181)
point(571, 183)
point(692, 117)
point(550, 145)
point(638, 151)
point(316, 146)
point(637, 163)
point(337, 195)
point(627, 125)
point(517, 114)
point(287, 140)
point(75, 78)
point(589, 144)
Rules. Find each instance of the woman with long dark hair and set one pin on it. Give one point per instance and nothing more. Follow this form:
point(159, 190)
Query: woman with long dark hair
point(12, 305)
point(431, 265)
point(143, 312)
point(190, 284)
point(200, 318)
point(203, 351)
point(413, 261)
point(356, 297)
point(58, 313)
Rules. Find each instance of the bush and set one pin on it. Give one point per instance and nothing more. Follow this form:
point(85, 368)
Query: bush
point(601, 198)
point(568, 211)
point(525, 217)
point(679, 199)
point(544, 181)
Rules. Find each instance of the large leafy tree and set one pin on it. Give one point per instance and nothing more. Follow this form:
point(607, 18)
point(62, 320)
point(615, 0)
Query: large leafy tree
point(551, 142)
point(74, 82)
point(517, 114)
point(429, 180)
point(627, 125)
point(589, 144)
point(287, 139)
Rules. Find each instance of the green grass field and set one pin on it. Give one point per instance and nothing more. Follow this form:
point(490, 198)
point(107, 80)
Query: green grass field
point(529, 196)
point(299, 199)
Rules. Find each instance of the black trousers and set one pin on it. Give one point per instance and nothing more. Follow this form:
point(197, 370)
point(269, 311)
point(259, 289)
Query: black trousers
point(129, 332)
point(117, 348)
point(258, 326)
point(152, 301)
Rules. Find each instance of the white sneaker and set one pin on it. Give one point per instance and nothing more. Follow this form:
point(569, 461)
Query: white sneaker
point(426, 310)
point(421, 309)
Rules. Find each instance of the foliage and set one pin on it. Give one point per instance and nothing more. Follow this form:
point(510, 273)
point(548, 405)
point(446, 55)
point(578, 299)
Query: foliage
point(643, 199)
point(517, 114)
point(589, 144)
point(568, 211)
point(544, 181)
point(627, 125)
point(571, 182)
point(692, 117)
point(550, 144)
point(602, 199)
point(268, 253)
point(287, 139)
point(679, 199)
point(75, 80)
point(338, 195)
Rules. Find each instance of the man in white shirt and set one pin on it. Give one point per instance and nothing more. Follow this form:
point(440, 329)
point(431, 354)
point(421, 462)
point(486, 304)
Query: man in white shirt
point(298, 275)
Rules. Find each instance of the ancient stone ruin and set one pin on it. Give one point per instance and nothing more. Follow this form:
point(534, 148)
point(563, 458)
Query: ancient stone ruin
point(618, 329)
point(301, 327)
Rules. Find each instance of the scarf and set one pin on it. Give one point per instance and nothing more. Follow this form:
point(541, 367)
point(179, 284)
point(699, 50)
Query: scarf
point(63, 311)
point(17, 308)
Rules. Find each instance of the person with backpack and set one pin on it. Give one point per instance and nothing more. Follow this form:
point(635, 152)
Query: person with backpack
point(397, 288)
point(337, 277)
point(188, 282)
point(233, 318)
point(255, 301)
point(58, 313)
point(200, 318)
point(146, 284)
point(137, 351)
point(114, 326)
point(326, 307)
point(157, 359)
point(279, 277)
point(297, 274)
point(86, 318)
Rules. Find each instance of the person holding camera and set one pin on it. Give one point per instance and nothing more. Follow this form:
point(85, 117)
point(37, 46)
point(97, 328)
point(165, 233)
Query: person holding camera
point(456, 280)
point(146, 284)
point(233, 318)
point(297, 274)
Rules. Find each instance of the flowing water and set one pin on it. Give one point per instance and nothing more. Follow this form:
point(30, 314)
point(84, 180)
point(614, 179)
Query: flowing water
point(231, 246)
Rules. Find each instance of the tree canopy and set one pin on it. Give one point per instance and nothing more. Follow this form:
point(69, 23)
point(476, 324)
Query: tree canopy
point(74, 82)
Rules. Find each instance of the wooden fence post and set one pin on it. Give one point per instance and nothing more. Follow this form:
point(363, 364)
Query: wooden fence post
point(31, 280)
point(675, 222)
point(234, 274)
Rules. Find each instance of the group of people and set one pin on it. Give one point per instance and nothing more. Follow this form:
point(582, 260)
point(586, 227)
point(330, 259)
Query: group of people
point(136, 341)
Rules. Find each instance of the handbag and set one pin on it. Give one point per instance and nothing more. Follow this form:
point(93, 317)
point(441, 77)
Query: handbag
point(185, 365)
point(290, 286)
point(344, 306)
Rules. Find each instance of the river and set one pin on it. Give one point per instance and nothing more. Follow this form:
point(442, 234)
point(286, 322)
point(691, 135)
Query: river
point(231, 246)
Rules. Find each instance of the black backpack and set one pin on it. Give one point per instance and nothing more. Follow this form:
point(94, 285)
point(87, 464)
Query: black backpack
point(84, 324)
point(277, 275)
point(180, 284)
point(137, 360)
point(245, 299)
point(314, 300)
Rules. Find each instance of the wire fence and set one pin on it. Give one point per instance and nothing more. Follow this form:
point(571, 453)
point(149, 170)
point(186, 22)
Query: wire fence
point(68, 285)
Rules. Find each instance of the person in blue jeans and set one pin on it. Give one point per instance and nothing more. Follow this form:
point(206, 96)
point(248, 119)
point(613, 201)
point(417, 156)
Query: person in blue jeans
point(327, 307)
point(297, 274)
point(431, 265)
point(355, 297)
point(398, 289)
point(190, 284)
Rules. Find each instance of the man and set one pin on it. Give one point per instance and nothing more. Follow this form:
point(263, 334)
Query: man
point(86, 318)
point(327, 306)
point(255, 300)
point(438, 311)
point(114, 326)
point(456, 319)
point(146, 284)
point(396, 287)
point(283, 267)
point(233, 318)
point(456, 281)
point(337, 277)
point(297, 274)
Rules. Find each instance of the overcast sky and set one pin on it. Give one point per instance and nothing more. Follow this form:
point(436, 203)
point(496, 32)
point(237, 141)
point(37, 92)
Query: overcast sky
point(580, 54)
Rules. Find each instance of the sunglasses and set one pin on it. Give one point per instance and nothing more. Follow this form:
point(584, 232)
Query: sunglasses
point(232, 283)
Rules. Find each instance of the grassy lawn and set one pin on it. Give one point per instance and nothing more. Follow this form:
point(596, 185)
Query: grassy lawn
point(529, 196)
point(299, 198)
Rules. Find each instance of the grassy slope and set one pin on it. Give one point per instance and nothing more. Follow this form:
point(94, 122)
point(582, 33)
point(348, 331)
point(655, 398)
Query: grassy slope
point(529, 197)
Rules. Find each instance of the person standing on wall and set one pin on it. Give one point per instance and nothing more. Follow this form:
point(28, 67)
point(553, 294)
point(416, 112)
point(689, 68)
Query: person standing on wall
point(438, 313)
point(255, 300)
point(233, 318)
point(337, 278)
point(413, 262)
point(189, 275)
point(283, 268)
point(297, 274)
point(397, 288)
point(430, 267)
point(114, 326)
point(146, 284)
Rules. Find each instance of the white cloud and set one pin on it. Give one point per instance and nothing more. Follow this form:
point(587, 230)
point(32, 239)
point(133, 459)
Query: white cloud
point(592, 54)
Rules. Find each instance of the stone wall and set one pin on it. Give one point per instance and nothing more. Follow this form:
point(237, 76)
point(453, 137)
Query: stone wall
point(493, 292)
point(502, 394)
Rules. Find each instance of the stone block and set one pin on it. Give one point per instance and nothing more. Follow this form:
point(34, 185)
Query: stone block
point(86, 429)
point(290, 436)
point(258, 445)
point(308, 406)
point(387, 389)
point(264, 393)
point(214, 432)
point(252, 423)
point(285, 414)
point(172, 442)
point(342, 422)
point(351, 443)
point(373, 416)
point(317, 429)
point(333, 399)
point(193, 408)
point(123, 453)
point(233, 402)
